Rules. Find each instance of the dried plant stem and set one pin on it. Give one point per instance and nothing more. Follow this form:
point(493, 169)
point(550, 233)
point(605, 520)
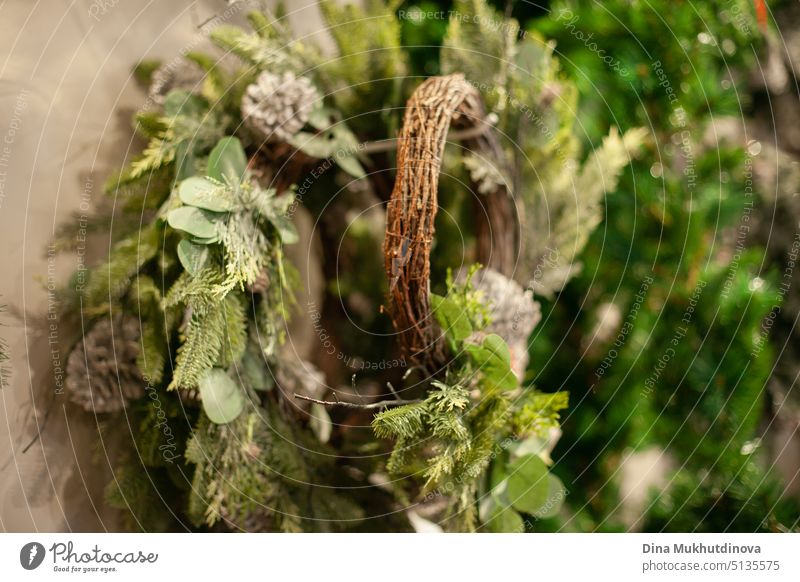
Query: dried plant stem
point(432, 108)
point(365, 406)
point(390, 144)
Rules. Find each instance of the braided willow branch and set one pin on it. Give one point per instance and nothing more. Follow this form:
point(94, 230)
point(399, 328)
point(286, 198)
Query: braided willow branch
point(413, 205)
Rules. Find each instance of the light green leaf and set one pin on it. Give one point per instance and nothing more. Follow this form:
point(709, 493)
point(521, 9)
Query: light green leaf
point(316, 146)
point(285, 228)
point(320, 118)
point(227, 161)
point(222, 398)
point(499, 348)
point(185, 160)
point(528, 484)
point(556, 494)
point(505, 520)
point(189, 219)
point(321, 422)
point(204, 241)
point(192, 256)
point(493, 358)
point(451, 318)
point(337, 142)
point(202, 193)
point(350, 164)
point(254, 369)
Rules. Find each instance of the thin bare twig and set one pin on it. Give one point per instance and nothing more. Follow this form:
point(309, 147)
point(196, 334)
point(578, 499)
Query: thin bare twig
point(373, 405)
point(394, 392)
point(388, 145)
point(355, 389)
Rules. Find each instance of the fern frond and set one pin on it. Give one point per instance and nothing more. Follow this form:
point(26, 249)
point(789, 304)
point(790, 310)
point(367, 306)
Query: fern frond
point(146, 299)
point(539, 412)
point(481, 47)
point(150, 124)
point(370, 54)
point(574, 209)
point(110, 281)
point(235, 341)
point(159, 153)
point(404, 422)
point(203, 342)
point(246, 249)
point(197, 292)
point(276, 52)
point(489, 423)
point(243, 471)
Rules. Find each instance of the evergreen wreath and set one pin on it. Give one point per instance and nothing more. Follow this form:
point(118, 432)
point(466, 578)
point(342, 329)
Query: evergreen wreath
point(186, 323)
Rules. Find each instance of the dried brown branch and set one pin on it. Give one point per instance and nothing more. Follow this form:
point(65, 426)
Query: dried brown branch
point(390, 144)
point(413, 205)
point(363, 406)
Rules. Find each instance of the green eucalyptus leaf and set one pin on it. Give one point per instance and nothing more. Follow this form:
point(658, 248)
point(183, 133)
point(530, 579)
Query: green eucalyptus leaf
point(194, 221)
point(321, 422)
point(192, 256)
point(202, 193)
point(222, 398)
point(498, 482)
point(254, 369)
point(320, 118)
point(204, 241)
point(452, 319)
point(227, 162)
point(317, 146)
point(528, 484)
point(498, 347)
point(285, 228)
point(350, 164)
point(556, 494)
point(347, 146)
point(345, 138)
point(493, 358)
point(498, 517)
point(278, 205)
point(505, 520)
point(185, 160)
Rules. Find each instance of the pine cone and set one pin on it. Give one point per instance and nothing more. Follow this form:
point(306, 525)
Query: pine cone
point(101, 371)
point(171, 76)
point(278, 106)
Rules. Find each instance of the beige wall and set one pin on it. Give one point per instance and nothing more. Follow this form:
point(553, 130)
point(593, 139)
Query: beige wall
point(67, 95)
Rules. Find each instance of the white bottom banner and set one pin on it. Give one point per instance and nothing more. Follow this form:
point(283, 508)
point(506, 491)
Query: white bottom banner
point(390, 557)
